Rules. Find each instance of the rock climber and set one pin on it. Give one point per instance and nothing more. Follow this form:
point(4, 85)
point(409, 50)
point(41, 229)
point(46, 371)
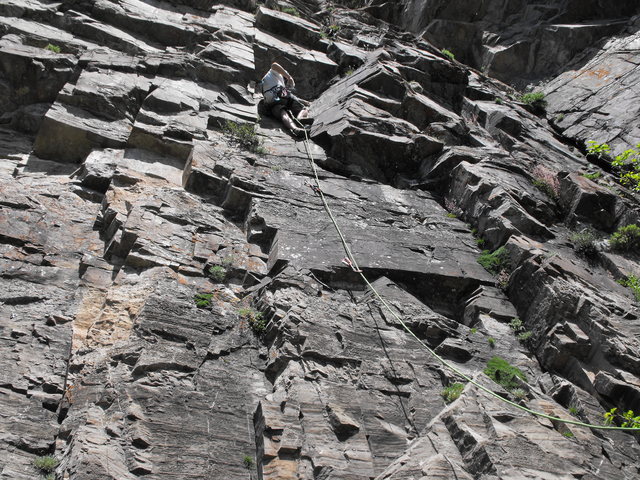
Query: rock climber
point(281, 103)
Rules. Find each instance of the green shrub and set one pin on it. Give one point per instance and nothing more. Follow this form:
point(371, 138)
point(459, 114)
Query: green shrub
point(452, 392)
point(633, 283)
point(494, 262)
point(598, 149)
point(448, 53)
point(573, 410)
point(203, 300)
point(628, 163)
point(245, 136)
point(501, 372)
point(626, 239)
point(247, 461)
point(256, 319)
point(46, 464)
point(53, 48)
point(524, 336)
point(584, 242)
point(492, 342)
point(516, 325)
point(217, 273)
point(291, 11)
point(627, 420)
point(474, 330)
point(592, 176)
point(535, 100)
point(498, 100)
point(568, 434)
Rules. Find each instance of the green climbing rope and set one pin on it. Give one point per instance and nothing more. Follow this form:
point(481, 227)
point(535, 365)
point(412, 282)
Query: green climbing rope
point(448, 365)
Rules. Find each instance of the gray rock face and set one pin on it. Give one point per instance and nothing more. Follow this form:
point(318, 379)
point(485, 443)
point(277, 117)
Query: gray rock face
point(174, 305)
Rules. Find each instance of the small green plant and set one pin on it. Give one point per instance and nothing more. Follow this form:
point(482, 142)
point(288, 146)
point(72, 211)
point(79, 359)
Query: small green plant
point(519, 393)
point(560, 117)
point(598, 149)
point(329, 31)
point(628, 163)
point(568, 434)
point(217, 273)
point(535, 100)
point(247, 461)
point(245, 136)
point(474, 330)
point(498, 100)
point(448, 53)
point(516, 324)
point(349, 72)
point(633, 283)
point(50, 476)
point(203, 300)
point(492, 342)
point(46, 464)
point(291, 11)
point(256, 319)
point(494, 262)
point(627, 419)
point(518, 328)
point(452, 215)
point(480, 242)
point(501, 372)
point(53, 48)
point(573, 410)
point(452, 392)
point(626, 239)
point(592, 176)
point(584, 242)
point(524, 336)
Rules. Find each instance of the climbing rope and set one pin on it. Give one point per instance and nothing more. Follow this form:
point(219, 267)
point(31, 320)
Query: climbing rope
point(351, 262)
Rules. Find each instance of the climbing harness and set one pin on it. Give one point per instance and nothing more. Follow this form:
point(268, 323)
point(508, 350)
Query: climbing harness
point(350, 261)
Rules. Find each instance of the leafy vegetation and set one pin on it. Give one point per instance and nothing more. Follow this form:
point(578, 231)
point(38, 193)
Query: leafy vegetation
point(633, 283)
point(291, 11)
point(592, 176)
point(627, 419)
point(203, 300)
point(501, 372)
point(245, 136)
point(626, 239)
point(448, 53)
point(573, 410)
point(494, 262)
point(598, 149)
point(627, 163)
point(584, 242)
point(452, 392)
point(247, 461)
point(518, 328)
point(53, 48)
point(217, 273)
point(330, 31)
point(492, 342)
point(46, 464)
point(255, 319)
point(534, 99)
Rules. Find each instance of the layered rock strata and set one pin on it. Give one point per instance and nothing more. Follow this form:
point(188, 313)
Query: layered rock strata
point(176, 306)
